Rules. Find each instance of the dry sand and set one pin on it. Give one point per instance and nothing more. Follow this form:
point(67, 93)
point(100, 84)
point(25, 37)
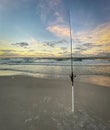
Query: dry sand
point(28, 103)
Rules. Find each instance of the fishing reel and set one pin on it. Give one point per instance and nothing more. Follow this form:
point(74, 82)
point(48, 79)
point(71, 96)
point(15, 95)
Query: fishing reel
point(72, 77)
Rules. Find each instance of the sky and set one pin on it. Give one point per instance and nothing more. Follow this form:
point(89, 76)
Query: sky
point(40, 28)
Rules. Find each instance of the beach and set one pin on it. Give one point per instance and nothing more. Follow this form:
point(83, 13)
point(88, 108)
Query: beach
point(30, 103)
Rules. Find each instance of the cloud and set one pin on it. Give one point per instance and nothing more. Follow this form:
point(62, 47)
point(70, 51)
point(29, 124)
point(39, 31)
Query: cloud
point(93, 42)
point(33, 48)
point(12, 4)
point(21, 44)
point(59, 18)
point(60, 31)
point(55, 43)
point(91, 49)
point(97, 36)
point(102, 34)
point(89, 41)
point(87, 46)
point(48, 8)
point(104, 54)
point(9, 53)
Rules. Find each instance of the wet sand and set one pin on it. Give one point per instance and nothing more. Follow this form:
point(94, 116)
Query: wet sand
point(28, 103)
point(93, 96)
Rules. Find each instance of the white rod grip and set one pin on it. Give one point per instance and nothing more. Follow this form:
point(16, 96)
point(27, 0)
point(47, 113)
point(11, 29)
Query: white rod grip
point(72, 99)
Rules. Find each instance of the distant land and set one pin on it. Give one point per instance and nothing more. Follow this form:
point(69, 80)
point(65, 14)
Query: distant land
point(76, 58)
point(63, 58)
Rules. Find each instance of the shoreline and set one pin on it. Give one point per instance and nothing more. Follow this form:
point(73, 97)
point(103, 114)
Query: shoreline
point(99, 80)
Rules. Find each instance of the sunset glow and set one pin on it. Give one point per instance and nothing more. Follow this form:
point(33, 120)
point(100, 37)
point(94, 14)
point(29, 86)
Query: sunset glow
point(30, 28)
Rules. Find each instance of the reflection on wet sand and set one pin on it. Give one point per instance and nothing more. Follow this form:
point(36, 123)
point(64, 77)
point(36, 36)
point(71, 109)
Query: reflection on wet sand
point(97, 80)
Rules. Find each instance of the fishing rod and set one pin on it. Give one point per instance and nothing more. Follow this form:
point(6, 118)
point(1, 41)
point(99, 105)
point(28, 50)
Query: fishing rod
point(72, 76)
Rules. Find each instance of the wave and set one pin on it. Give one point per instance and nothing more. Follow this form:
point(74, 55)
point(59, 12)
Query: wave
point(50, 62)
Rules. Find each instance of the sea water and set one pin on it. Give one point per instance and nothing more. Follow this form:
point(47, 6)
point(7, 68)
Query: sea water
point(53, 68)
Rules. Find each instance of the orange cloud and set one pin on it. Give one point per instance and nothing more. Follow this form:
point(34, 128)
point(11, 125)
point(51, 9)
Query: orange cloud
point(102, 33)
point(60, 31)
point(98, 39)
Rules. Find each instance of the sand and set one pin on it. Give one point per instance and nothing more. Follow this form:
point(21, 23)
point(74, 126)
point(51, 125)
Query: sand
point(29, 103)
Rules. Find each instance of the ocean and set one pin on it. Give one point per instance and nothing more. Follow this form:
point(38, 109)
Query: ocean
point(53, 68)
